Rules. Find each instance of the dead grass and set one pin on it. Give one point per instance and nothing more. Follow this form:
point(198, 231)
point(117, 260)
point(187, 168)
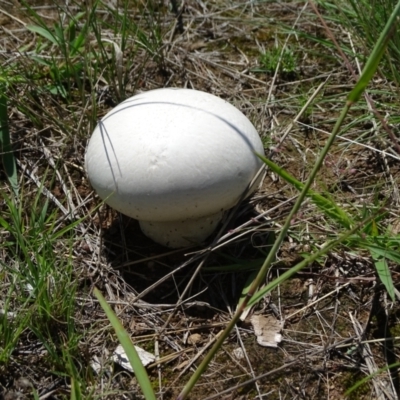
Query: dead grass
point(340, 326)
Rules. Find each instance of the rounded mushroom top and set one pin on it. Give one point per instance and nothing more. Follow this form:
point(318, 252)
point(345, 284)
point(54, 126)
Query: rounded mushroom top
point(172, 154)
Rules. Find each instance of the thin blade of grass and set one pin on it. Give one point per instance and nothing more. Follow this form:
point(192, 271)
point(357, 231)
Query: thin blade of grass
point(43, 32)
point(331, 209)
point(245, 291)
point(384, 273)
point(392, 255)
point(328, 206)
point(367, 378)
point(130, 350)
point(302, 264)
point(75, 390)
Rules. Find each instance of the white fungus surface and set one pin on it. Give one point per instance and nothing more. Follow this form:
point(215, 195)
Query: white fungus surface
point(174, 159)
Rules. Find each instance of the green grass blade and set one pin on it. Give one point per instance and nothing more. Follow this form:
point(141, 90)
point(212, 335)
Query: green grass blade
point(367, 378)
point(8, 159)
point(250, 280)
point(302, 264)
point(130, 350)
point(247, 286)
point(329, 207)
point(43, 32)
point(268, 261)
point(75, 390)
point(384, 273)
point(392, 255)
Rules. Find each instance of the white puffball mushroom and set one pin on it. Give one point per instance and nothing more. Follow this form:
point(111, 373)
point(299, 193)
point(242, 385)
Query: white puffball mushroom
point(174, 159)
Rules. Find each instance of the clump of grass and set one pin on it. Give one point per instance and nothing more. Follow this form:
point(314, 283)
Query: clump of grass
point(76, 51)
point(67, 71)
point(42, 283)
point(284, 58)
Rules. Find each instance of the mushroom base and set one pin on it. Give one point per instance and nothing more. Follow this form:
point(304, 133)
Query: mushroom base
point(176, 234)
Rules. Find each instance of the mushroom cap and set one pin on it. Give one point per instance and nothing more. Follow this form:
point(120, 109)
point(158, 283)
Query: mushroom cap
point(173, 154)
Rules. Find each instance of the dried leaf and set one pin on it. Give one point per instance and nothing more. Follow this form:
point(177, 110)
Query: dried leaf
point(267, 330)
point(119, 357)
point(238, 353)
point(194, 338)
